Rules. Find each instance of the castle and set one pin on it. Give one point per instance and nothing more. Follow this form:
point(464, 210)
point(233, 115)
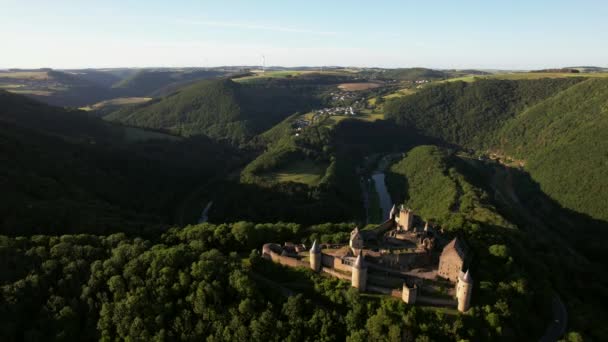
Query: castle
point(399, 251)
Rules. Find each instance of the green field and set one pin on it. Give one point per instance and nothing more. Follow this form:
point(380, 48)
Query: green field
point(31, 92)
point(303, 171)
point(121, 101)
point(36, 75)
point(525, 76)
point(363, 116)
point(284, 74)
point(399, 93)
point(10, 86)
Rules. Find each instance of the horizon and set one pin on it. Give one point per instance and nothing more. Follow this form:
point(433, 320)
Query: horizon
point(271, 67)
point(391, 34)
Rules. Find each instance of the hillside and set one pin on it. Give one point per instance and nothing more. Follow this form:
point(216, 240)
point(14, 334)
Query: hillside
point(564, 142)
point(62, 171)
point(55, 87)
point(412, 74)
point(555, 126)
point(73, 124)
point(160, 82)
point(103, 78)
point(516, 239)
point(469, 114)
point(221, 109)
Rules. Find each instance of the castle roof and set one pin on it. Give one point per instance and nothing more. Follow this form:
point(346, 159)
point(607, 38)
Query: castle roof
point(405, 209)
point(359, 262)
point(465, 276)
point(456, 245)
point(393, 210)
point(315, 247)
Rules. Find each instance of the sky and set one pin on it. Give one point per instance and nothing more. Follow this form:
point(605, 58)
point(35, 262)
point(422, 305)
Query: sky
point(488, 34)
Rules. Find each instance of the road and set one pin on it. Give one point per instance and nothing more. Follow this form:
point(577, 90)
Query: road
point(559, 323)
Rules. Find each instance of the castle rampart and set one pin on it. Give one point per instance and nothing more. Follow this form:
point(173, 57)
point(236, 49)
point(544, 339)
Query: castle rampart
point(404, 264)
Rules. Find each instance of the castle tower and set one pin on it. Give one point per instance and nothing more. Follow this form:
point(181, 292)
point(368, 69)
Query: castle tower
point(426, 226)
point(356, 241)
point(409, 293)
point(464, 289)
point(359, 273)
point(315, 257)
point(405, 219)
point(391, 215)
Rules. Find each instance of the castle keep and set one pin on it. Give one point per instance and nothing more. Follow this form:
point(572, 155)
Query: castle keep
point(403, 257)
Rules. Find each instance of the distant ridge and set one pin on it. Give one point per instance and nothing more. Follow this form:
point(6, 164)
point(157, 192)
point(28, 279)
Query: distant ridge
point(221, 109)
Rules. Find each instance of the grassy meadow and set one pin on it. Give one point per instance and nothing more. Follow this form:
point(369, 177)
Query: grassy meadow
point(525, 76)
point(359, 86)
point(302, 171)
point(121, 101)
point(258, 74)
point(32, 75)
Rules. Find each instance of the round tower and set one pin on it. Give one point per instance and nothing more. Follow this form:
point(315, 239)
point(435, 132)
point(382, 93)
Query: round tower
point(391, 215)
point(356, 241)
point(359, 273)
point(464, 289)
point(315, 257)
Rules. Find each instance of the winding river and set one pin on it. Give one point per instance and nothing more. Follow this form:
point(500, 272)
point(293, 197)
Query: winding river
point(385, 198)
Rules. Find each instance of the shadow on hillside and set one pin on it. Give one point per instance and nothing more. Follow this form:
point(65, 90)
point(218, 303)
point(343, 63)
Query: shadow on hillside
point(529, 207)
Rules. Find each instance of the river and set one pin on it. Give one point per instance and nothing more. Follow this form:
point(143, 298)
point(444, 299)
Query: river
point(205, 214)
point(385, 198)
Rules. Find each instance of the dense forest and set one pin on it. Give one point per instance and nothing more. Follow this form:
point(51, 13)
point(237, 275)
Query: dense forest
point(192, 284)
point(98, 239)
point(64, 171)
point(220, 109)
point(469, 197)
point(552, 126)
point(160, 82)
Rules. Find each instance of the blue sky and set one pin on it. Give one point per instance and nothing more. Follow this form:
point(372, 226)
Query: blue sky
point(440, 34)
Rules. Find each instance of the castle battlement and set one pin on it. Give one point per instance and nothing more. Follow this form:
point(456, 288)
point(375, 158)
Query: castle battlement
point(398, 249)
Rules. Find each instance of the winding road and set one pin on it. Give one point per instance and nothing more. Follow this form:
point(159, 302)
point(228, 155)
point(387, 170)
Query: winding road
point(557, 327)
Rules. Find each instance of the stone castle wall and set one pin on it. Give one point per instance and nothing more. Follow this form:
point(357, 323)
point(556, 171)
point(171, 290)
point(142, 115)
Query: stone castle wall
point(269, 253)
point(379, 230)
point(336, 273)
point(335, 263)
point(450, 266)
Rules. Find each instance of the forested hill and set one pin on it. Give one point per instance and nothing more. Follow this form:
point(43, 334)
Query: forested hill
point(564, 141)
point(469, 114)
point(73, 124)
point(521, 239)
point(221, 109)
point(555, 127)
point(62, 172)
point(149, 82)
point(411, 74)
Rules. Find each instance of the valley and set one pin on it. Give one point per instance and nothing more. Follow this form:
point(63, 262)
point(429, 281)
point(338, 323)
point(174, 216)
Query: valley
point(173, 172)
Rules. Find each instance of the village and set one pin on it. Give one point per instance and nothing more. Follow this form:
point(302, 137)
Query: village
point(403, 257)
point(342, 103)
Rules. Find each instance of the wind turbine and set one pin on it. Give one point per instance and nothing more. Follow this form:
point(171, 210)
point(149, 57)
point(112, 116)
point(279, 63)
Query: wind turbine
point(263, 64)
